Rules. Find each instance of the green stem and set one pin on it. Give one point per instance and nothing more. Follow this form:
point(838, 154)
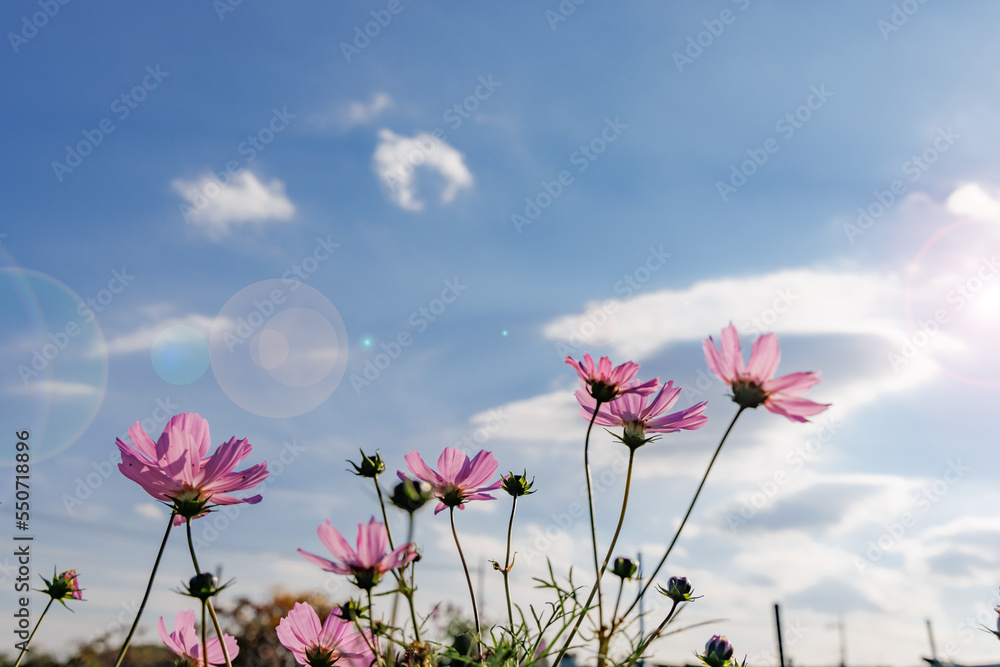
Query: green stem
point(204, 634)
point(413, 577)
point(149, 587)
point(649, 581)
point(371, 625)
point(24, 650)
point(208, 601)
point(593, 528)
point(506, 569)
point(653, 637)
point(600, 573)
point(614, 616)
point(468, 579)
point(385, 517)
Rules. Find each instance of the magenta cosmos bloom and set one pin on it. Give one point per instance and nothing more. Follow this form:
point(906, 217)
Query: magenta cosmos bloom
point(638, 415)
point(322, 646)
point(606, 383)
point(184, 641)
point(754, 384)
point(459, 478)
point(370, 561)
point(177, 469)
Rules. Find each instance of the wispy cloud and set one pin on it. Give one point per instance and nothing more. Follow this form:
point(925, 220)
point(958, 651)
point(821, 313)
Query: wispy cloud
point(141, 339)
point(397, 159)
point(795, 301)
point(354, 113)
point(54, 389)
point(217, 208)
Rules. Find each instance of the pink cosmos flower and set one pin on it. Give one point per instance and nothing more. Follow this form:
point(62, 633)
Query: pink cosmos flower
point(459, 480)
point(370, 561)
point(178, 470)
point(184, 641)
point(638, 415)
point(754, 384)
point(316, 646)
point(606, 383)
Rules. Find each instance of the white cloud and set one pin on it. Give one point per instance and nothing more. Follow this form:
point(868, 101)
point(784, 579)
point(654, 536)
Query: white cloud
point(142, 338)
point(54, 389)
point(973, 201)
point(794, 301)
point(151, 511)
point(353, 113)
point(359, 113)
point(217, 208)
point(397, 159)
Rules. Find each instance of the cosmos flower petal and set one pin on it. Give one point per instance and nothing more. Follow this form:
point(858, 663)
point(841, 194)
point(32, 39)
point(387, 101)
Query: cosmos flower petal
point(796, 409)
point(328, 565)
point(792, 384)
point(764, 357)
point(732, 355)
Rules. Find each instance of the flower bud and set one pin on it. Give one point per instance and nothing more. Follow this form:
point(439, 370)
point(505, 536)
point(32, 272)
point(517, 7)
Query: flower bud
point(718, 651)
point(203, 586)
point(678, 589)
point(410, 495)
point(349, 611)
point(62, 587)
point(370, 466)
point(624, 568)
point(518, 485)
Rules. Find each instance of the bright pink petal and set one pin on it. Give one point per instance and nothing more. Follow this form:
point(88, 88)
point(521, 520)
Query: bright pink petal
point(142, 442)
point(237, 480)
point(421, 469)
point(715, 362)
point(327, 565)
point(643, 389)
point(225, 458)
point(373, 540)
point(450, 464)
point(399, 557)
point(482, 467)
point(587, 403)
point(764, 358)
point(215, 656)
point(689, 419)
point(792, 384)
point(732, 355)
point(796, 409)
point(663, 400)
point(603, 368)
point(336, 544)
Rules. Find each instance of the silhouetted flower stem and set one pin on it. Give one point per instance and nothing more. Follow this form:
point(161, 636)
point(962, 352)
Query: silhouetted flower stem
point(687, 514)
point(208, 601)
point(24, 651)
point(468, 579)
point(145, 597)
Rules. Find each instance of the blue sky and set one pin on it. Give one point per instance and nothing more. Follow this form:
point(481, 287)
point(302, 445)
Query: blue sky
point(499, 187)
